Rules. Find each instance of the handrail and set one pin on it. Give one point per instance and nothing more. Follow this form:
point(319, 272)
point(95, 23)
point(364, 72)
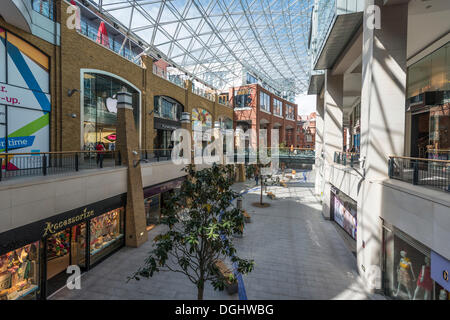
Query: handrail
point(56, 152)
point(432, 173)
point(420, 159)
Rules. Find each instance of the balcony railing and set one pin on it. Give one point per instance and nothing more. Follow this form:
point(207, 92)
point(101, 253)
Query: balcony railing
point(346, 158)
point(52, 163)
point(109, 37)
point(173, 77)
point(156, 155)
point(417, 171)
point(203, 93)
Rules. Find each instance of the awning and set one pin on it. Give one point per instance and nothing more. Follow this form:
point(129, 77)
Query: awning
point(343, 30)
point(316, 84)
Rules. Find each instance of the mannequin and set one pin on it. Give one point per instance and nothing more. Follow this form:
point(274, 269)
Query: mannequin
point(424, 281)
point(404, 273)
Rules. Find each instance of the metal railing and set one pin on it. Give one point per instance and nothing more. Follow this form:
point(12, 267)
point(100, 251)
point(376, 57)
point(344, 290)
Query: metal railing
point(417, 171)
point(176, 78)
point(346, 158)
point(205, 94)
point(52, 163)
point(156, 155)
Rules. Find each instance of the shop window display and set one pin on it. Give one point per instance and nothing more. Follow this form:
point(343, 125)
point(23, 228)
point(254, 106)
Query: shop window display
point(407, 271)
point(19, 273)
point(106, 234)
point(58, 253)
point(152, 210)
point(344, 213)
point(100, 109)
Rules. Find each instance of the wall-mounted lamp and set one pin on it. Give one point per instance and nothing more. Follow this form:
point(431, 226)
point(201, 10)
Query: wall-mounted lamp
point(150, 113)
point(72, 115)
point(71, 92)
point(136, 162)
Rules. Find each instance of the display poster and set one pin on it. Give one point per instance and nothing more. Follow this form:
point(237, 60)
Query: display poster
point(345, 217)
point(25, 99)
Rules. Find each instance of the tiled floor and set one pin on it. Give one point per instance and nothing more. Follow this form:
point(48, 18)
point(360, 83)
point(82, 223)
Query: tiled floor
point(298, 255)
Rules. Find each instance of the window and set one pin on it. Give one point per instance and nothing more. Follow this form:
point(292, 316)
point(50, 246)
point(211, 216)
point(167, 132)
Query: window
point(167, 108)
point(430, 74)
point(244, 98)
point(251, 79)
point(264, 101)
point(19, 273)
point(290, 112)
point(277, 107)
point(44, 7)
point(407, 268)
point(100, 109)
point(107, 234)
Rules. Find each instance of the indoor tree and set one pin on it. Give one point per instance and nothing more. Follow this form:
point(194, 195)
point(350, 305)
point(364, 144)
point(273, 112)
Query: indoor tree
point(200, 222)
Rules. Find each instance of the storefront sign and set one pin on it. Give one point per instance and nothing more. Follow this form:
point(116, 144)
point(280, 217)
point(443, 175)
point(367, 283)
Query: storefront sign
point(160, 188)
point(51, 228)
point(19, 237)
point(440, 269)
point(164, 124)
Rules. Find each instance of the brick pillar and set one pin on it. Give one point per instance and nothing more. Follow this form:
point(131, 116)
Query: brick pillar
point(128, 145)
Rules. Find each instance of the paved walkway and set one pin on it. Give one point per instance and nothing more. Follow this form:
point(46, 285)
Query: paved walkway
point(298, 255)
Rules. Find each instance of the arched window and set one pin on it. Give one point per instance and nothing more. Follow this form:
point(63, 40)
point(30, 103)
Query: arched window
point(100, 108)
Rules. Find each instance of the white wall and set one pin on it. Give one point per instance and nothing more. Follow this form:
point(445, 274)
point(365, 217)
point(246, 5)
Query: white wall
point(27, 200)
point(30, 200)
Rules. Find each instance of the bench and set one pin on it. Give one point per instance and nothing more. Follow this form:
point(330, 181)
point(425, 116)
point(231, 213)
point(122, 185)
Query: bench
point(225, 272)
point(271, 195)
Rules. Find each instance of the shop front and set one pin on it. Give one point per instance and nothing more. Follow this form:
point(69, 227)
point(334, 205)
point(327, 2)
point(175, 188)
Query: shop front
point(99, 109)
point(411, 271)
point(34, 258)
point(343, 211)
point(156, 198)
point(428, 105)
point(167, 119)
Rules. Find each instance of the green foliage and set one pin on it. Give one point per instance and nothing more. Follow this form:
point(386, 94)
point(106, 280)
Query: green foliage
point(196, 218)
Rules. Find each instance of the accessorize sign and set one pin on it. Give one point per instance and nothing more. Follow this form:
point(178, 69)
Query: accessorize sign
point(440, 270)
point(51, 228)
point(21, 236)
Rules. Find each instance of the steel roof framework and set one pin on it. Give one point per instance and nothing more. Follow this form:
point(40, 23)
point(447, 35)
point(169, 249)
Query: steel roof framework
point(218, 39)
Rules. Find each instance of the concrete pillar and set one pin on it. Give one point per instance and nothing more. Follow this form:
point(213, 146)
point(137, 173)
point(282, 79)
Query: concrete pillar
point(383, 88)
point(128, 145)
point(382, 123)
point(333, 115)
point(332, 132)
point(318, 167)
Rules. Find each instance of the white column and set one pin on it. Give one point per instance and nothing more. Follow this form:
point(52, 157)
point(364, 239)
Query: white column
point(382, 124)
point(333, 136)
point(319, 145)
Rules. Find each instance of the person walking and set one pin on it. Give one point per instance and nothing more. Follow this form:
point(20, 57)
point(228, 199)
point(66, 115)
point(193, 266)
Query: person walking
point(256, 175)
point(100, 153)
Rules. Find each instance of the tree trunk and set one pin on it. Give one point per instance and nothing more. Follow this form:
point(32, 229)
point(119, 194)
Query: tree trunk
point(200, 289)
point(261, 198)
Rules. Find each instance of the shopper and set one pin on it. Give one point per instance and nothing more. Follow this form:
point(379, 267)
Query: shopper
point(100, 153)
point(256, 175)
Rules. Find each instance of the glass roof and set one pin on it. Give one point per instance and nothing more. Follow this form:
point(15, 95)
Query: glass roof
point(217, 41)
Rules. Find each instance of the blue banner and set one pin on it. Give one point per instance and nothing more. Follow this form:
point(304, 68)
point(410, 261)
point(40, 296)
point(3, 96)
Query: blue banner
point(17, 142)
point(440, 270)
